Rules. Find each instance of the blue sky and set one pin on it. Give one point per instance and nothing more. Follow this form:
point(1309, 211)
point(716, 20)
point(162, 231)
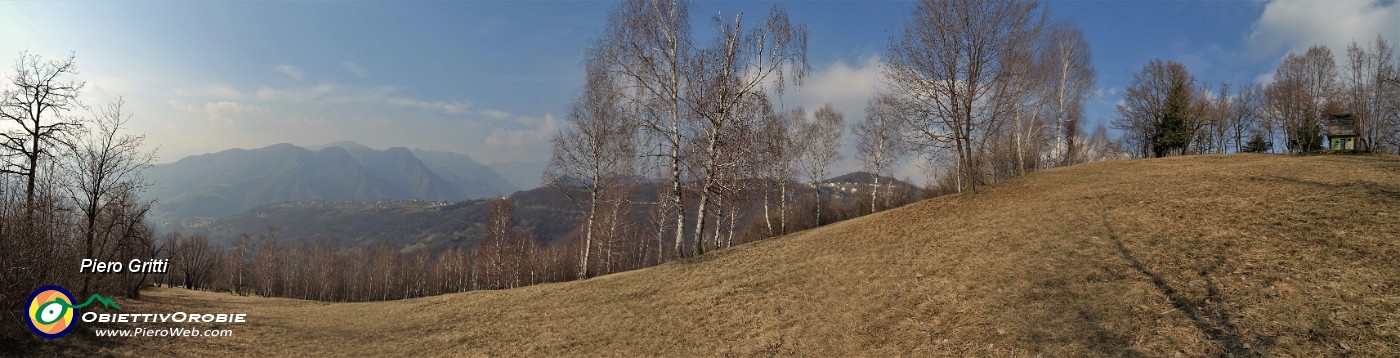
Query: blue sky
point(493, 79)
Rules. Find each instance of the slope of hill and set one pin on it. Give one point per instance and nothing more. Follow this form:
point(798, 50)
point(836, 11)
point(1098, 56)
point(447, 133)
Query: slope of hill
point(1192, 256)
point(231, 181)
point(524, 175)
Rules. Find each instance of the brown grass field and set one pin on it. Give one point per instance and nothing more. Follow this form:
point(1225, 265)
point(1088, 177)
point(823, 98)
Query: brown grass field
point(1193, 256)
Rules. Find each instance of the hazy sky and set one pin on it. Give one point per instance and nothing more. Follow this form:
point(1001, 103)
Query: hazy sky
point(493, 79)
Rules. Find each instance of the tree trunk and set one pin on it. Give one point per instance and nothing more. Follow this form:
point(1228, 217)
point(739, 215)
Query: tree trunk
point(700, 223)
point(767, 219)
point(1060, 112)
point(782, 206)
point(874, 189)
point(588, 233)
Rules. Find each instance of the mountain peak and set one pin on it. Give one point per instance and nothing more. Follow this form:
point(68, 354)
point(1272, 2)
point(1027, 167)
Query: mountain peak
point(347, 144)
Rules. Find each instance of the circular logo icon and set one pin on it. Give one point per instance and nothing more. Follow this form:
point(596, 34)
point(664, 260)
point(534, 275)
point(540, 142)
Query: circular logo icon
point(50, 312)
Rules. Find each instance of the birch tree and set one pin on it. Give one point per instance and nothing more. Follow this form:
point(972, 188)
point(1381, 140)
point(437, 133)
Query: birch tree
point(823, 140)
point(877, 141)
point(736, 72)
point(1069, 54)
point(779, 156)
point(689, 95)
point(596, 153)
point(648, 46)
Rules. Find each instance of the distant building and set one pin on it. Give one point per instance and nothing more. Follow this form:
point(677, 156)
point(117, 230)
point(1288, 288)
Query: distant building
point(1341, 132)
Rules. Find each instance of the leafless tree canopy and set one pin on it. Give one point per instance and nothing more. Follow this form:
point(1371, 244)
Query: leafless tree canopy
point(692, 97)
point(106, 170)
point(1072, 79)
point(1160, 112)
point(40, 95)
point(950, 61)
point(597, 153)
point(878, 142)
point(1302, 86)
point(1372, 86)
point(823, 140)
point(69, 187)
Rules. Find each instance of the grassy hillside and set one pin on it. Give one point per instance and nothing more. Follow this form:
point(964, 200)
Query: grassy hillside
point(1193, 256)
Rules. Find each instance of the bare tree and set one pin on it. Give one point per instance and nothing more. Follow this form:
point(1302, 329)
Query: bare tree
point(596, 153)
point(949, 62)
point(42, 93)
point(1244, 113)
point(197, 261)
point(1160, 110)
point(267, 264)
point(1217, 117)
point(781, 150)
point(1302, 86)
point(877, 140)
point(1017, 94)
point(494, 248)
point(823, 140)
point(734, 74)
point(688, 93)
point(648, 46)
point(106, 167)
point(1069, 53)
point(1371, 88)
point(235, 263)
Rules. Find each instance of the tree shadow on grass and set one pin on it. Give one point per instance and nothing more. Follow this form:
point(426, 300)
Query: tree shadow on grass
point(1208, 315)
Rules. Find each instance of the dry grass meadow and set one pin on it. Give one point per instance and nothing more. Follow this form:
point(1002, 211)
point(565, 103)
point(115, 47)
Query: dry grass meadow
point(1192, 256)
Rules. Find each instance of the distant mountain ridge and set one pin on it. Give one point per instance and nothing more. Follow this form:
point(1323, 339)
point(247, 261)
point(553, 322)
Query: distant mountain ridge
point(232, 181)
point(526, 175)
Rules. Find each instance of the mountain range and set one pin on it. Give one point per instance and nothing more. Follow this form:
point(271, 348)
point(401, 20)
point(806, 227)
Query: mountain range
point(232, 181)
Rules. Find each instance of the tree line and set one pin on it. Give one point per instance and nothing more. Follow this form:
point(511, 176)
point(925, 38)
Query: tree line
point(1167, 111)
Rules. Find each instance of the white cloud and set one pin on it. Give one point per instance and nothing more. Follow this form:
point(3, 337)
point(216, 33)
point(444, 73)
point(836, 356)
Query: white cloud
point(354, 68)
point(842, 83)
point(1265, 78)
point(110, 86)
point(448, 107)
point(494, 114)
point(223, 91)
point(181, 105)
point(1101, 93)
point(506, 137)
point(1297, 25)
point(292, 71)
point(218, 90)
point(295, 95)
point(227, 111)
point(337, 94)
